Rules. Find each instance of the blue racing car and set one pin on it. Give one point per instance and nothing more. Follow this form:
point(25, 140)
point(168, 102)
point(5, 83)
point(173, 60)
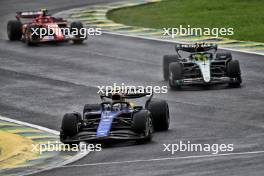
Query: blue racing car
point(116, 119)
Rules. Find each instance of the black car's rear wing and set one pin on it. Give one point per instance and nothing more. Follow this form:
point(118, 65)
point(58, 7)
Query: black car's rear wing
point(140, 95)
point(127, 95)
point(132, 95)
point(197, 47)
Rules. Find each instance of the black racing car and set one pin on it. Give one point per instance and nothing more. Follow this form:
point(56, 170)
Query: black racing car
point(201, 66)
point(116, 120)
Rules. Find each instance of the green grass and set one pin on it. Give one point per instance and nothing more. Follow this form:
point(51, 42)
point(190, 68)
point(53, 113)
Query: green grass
point(246, 17)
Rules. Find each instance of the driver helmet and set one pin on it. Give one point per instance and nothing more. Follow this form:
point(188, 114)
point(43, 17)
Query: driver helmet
point(117, 97)
point(200, 57)
point(44, 12)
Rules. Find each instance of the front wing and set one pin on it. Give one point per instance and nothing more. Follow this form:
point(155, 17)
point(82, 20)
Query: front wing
point(54, 39)
point(200, 81)
point(89, 136)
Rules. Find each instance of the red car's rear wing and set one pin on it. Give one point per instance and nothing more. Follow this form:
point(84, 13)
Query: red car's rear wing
point(29, 14)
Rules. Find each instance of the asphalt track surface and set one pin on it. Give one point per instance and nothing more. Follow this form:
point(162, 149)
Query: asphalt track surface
point(39, 84)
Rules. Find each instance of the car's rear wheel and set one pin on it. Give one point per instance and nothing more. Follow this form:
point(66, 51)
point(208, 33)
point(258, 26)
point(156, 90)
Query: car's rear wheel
point(70, 125)
point(14, 30)
point(175, 75)
point(142, 124)
point(78, 26)
point(167, 59)
point(223, 56)
point(91, 107)
point(160, 114)
point(233, 71)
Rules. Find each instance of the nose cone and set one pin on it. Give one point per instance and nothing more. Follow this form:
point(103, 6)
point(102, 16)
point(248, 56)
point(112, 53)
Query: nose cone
point(207, 79)
point(206, 73)
point(205, 70)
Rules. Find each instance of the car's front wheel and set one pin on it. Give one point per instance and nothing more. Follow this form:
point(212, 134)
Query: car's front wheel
point(142, 124)
point(70, 125)
point(31, 37)
point(167, 59)
point(175, 71)
point(160, 114)
point(233, 71)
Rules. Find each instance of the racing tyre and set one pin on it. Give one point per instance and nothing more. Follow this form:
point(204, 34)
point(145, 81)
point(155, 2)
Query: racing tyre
point(142, 124)
point(233, 71)
point(70, 124)
point(175, 75)
point(14, 30)
point(160, 115)
point(30, 36)
point(91, 107)
point(167, 59)
point(140, 121)
point(78, 26)
point(223, 56)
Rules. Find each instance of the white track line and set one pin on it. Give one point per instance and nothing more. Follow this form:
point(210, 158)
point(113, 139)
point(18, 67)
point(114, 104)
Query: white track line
point(30, 125)
point(164, 159)
point(169, 41)
point(68, 161)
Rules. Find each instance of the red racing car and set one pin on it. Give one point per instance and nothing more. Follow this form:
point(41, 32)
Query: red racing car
point(39, 26)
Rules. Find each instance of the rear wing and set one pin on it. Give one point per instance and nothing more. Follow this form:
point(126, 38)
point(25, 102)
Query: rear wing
point(130, 96)
point(127, 95)
point(197, 47)
point(31, 14)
